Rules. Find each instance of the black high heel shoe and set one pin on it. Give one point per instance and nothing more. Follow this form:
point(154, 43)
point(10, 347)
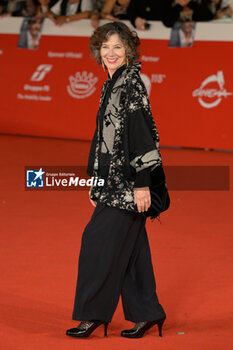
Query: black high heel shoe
point(140, 328)
point(85, 328)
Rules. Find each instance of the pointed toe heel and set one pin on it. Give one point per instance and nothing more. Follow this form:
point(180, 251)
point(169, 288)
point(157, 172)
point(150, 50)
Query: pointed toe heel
point(85, 329)
point(142, 327)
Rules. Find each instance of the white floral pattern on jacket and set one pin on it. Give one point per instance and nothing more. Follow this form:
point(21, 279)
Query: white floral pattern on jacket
point(136, 140)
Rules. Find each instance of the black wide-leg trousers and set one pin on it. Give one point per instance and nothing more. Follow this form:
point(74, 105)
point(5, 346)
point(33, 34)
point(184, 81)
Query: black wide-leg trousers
point(115, 260)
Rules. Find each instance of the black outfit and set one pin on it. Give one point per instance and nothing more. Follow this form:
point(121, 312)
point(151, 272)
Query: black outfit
point(142, 177)
point(115, 256)
point(150, 10)
point(120, 11)
point(130, 138)
point(115, 259)
point(171, 12)
point(3, 5)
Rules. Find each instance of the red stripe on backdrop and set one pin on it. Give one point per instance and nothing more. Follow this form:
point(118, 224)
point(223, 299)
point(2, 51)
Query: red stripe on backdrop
point(190, 90)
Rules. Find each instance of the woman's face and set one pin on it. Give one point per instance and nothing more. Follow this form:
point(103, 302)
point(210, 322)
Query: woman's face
point(113, 53)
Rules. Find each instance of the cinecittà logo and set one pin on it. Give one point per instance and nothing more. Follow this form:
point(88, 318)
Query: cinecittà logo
point(211, 97)
point(82, 85)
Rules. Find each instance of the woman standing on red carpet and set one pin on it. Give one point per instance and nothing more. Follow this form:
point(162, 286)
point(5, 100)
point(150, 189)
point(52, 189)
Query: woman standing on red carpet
point(115, 256)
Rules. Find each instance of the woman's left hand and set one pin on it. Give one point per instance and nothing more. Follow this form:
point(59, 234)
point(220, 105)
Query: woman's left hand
point(142, 198)
point(92, 202)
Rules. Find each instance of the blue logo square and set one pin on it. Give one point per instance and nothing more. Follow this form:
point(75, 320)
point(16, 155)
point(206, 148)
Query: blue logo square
point(35, 178)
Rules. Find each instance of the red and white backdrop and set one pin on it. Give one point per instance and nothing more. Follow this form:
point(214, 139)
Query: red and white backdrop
point(54, 91)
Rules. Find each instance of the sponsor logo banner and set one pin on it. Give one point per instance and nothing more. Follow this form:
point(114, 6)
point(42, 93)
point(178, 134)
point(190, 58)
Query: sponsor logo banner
point(41, 72)
point(155, 78)
point(82, 85)
point(76, 55)
point(150, 58)
point(37, 77)
point(209, 95)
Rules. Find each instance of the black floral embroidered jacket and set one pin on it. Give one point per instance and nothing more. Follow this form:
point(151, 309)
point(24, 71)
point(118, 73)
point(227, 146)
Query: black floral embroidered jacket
point(127, 134)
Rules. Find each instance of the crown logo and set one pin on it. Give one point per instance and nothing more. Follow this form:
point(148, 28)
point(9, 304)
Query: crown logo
point(82, 85)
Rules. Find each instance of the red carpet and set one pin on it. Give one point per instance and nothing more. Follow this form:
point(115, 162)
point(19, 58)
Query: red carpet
point(40, 240)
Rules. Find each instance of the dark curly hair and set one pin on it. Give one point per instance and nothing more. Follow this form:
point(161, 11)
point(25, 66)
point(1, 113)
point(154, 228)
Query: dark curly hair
point(128, 38)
